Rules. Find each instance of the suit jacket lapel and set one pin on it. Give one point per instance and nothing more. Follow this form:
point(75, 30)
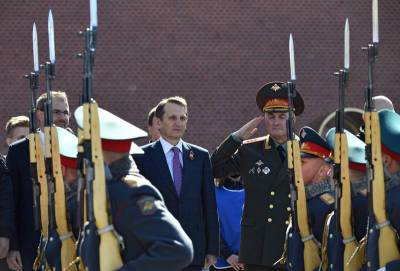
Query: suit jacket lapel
point(166, 177)
point(187, 164)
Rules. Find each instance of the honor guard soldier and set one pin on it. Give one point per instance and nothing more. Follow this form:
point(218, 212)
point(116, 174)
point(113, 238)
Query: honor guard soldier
point(262, 164)
point(390, 137)
point(358, 181)
point(68, 146)
point(316, 166)
point(153, 238)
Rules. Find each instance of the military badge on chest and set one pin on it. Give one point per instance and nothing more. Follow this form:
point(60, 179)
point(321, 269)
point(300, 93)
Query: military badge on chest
point(259, 168)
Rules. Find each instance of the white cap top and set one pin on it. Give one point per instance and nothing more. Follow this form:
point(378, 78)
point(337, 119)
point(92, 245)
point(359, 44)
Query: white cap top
point(68, 143)
point(112, 127)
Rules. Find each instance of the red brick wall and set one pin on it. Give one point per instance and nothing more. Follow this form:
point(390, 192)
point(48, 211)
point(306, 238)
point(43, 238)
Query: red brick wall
point(214, 53)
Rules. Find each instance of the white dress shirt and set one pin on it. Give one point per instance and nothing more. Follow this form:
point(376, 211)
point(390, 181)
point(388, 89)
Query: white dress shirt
point(169, 153)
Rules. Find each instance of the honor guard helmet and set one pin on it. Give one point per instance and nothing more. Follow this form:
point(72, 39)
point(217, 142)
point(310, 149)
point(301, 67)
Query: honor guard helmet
point(116, 134)
point(356, 149)
point(390, 133)
point(68, 147)
point(312, 145)
point(273, 97)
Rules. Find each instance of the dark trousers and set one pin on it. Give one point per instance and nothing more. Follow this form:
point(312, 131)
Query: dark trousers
point(193, 268)
point(253, 267)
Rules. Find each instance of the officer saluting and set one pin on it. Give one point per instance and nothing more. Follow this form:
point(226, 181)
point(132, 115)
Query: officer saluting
point(262, 164)
point(153, 238)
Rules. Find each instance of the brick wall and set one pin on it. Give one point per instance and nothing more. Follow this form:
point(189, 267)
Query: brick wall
point(215, 53)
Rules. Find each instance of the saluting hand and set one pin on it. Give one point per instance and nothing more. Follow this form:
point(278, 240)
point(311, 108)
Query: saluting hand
point(249, 129)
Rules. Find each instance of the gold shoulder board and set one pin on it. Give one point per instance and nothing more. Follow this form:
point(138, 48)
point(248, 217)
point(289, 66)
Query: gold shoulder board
point(254, 140)
point(327, 198)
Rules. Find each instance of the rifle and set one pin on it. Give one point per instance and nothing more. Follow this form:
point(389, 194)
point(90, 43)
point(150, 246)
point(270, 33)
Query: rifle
point(300, 235)
point(52, 246)
point(36, 160)
point(34, 140)
point(38, 167)
point(342, 239)
point(100, 245)
point(381, 238)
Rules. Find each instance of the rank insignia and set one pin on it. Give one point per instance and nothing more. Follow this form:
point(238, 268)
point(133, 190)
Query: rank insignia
point(266, 170)
point(147, 205)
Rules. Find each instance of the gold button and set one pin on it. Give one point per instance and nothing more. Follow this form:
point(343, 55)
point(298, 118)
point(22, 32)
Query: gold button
point(272, 193)
point(269, 220)
point(271, 206)
point(287, 222)
point(288, 209)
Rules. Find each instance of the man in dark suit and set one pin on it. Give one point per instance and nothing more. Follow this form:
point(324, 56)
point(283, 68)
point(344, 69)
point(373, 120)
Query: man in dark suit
point(262, 164)
point(25, 238)
point(182, 173)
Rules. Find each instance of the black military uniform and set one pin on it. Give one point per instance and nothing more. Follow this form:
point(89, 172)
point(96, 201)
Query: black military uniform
point(153, 239)
point(264, 172)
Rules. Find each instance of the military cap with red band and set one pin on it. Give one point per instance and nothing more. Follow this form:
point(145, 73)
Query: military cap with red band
point(313, 145)
point(390, 133)
point(273, 97)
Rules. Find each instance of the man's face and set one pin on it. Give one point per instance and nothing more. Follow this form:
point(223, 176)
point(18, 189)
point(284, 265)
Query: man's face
point(276, 124)
point(173, 123)
point(154, 130)
point(310, 167)
point(17, 133)
point(61, 113)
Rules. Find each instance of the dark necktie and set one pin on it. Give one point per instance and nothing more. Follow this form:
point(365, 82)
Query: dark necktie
point(281, 152)
point(177, 170)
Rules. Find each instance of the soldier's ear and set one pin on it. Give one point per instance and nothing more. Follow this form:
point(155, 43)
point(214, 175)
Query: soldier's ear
point(386, 159)
point(63, 170)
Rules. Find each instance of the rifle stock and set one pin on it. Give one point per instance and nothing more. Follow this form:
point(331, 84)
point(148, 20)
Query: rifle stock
point(387, 242)
point(63, 229)
point(109, 250)
point(351, 262)
point(311, 256)
point(35, 149)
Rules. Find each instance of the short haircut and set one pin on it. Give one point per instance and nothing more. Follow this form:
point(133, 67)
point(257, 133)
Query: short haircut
point(150, 117)
point(175, 100)
point(14, 122)
point(54, 94)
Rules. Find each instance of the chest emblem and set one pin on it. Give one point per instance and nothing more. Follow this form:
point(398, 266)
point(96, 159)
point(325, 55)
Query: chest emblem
point(259, 168)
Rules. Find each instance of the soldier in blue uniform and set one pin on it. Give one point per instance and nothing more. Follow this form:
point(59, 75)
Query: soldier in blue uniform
point(390, 138)
point(358, 181)
point(316, 167)
point(316, 160)
point(154, 239)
